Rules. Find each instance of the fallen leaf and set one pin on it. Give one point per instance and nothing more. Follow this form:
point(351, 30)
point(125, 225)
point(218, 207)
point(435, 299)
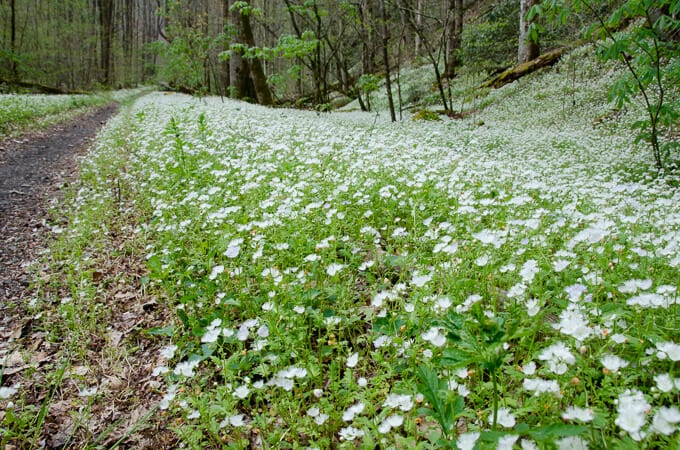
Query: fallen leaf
point(78, 370)
point(13, 360)
point(115, 337)
point(124, 295)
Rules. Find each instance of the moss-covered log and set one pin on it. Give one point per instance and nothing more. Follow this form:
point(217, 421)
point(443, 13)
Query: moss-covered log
point(517, 72)
point(42, 89)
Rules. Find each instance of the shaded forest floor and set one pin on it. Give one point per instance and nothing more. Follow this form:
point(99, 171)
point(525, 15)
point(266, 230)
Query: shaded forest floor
point(35, 169)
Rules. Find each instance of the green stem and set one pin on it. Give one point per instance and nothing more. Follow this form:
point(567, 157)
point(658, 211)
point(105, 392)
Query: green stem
point(495, 399)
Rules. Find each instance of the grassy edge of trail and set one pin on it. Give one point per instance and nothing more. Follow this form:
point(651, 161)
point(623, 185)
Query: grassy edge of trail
point(89, 358)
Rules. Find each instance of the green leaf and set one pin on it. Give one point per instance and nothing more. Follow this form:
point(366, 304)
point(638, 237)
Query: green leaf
point(454, 357)
point(164, 331)
point(431, 388)
point(554, 431)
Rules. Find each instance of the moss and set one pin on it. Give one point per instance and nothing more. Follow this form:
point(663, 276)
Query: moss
point(425, 114)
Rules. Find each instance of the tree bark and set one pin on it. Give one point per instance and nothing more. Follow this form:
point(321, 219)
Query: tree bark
point(13, 39)
point(225, 79)
point(419, 24)
point(367, 50)
point(527, 49)
point(386, 57)
point(515, 73)
point(453, 38)
point(262, 92)
point(106, 38)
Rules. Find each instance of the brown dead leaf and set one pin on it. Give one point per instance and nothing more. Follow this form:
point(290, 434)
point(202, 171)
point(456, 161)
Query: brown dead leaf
point(63, 435)
point(124, 296)
point(14, 363)
point(16, 333)
point(78, 370)
point(115, 337)
point(15, 359)
point(114, 383)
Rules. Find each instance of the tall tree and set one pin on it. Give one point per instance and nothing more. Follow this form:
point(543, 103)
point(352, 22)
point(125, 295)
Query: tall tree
point(386, 59)
point(262, 92)
point(528, 48)
point(432, 47)
point(106, 10)
point(13, 39)
point(454, 31)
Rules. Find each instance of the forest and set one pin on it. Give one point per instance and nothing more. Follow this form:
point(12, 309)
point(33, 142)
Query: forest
point(315, 224)
point(287, 52)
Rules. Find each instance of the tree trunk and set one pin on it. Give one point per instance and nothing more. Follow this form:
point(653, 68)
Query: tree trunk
point(239, 72)
point(225, 79)
point(386, 58)
point(514, 73)
point(453, 38)
point(527, 49)
point(262, 92)
point(13, 39)
point(419, 24)
point(367, 50)
point(106, 38)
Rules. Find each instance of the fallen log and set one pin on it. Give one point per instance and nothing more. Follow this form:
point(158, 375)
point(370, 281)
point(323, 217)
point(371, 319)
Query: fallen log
point(42, 88)
point(517, 72)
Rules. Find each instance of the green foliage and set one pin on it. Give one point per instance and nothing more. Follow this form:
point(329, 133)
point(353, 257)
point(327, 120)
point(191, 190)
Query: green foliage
point(477, 340)
point(491, 41)
point(425, 114)
point(445, 406)
point(244, 8)
point(366, 84)
point(18, 112)
point(648, 49)
point(291, 47)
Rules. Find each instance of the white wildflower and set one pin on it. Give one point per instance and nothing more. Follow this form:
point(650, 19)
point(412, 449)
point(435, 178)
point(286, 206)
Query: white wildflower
point(558, 358)
point(353, 411)
point(434, 337)
point(571, 443)
point(9, 392)
point(402, 401)
point(664, 382)
point(576, 413)
point(420, 280)
point(350, 433)
point(539, 386)
point(666, 420)
point(669, 350)
point(215, 271)
point(505, 418)
point(186, 368)
point(393, 421)
point(334, 268)
point(168, 351)
point(467, 441)
point(241, 392)
point(632, 411)
point(528, 271)
point(507, 442)
point(613, 363)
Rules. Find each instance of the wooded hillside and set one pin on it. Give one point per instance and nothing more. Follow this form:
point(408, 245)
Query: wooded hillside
point(288, 50)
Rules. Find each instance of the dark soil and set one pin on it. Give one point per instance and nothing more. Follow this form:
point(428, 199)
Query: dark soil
point(33, 169)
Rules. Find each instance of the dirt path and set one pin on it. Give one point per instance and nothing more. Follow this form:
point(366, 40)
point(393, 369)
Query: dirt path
point(33, 169)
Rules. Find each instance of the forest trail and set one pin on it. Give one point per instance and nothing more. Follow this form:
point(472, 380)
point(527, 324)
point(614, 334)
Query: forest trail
point(33, 169)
